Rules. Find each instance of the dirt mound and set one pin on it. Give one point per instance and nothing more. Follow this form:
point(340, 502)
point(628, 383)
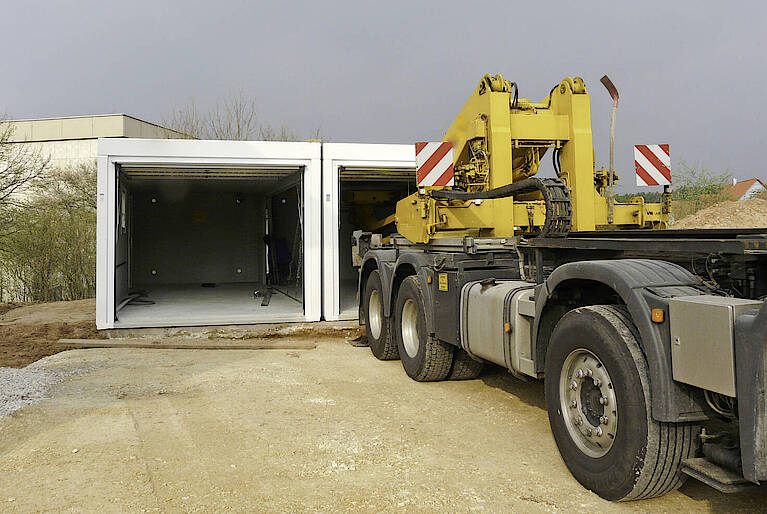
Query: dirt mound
point(65, 312)
point(29, 332)
point(22, 343)
point(5, 307)
point(748, 214)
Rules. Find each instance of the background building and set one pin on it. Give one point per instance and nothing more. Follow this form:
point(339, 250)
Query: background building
point(746, 189)
point(73, 140)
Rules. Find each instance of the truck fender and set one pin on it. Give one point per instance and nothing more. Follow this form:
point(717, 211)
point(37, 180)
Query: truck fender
point(419, 265)
point(751, 384)
point(383, 261)
point(642, 284)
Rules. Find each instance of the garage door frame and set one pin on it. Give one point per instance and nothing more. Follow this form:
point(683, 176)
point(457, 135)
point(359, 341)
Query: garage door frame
point(348, 155)
point(180, 153)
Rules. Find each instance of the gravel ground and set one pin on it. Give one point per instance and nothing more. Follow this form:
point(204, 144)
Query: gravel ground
point(27, 386)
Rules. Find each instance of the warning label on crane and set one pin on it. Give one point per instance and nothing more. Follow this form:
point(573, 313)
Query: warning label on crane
point(434, 164)
point(653, 165)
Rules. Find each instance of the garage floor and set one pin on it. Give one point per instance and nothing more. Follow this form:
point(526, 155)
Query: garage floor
point(190, 305)
point(324, 430)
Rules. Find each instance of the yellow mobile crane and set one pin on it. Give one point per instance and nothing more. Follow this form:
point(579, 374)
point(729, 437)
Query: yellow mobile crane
point(499, 141)
point(652, 344)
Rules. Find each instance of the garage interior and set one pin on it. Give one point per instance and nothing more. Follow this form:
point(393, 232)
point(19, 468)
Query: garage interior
point(198, 246)
point(367, 201)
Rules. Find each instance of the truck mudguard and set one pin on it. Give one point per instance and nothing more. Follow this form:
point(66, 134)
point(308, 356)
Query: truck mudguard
point(751, 385)
point(389, 265)
point(383, 261)
point(421, 263)
point(643, 285)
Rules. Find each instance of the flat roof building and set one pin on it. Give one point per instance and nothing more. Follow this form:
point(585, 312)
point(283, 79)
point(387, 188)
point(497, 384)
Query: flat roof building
point(72, 140)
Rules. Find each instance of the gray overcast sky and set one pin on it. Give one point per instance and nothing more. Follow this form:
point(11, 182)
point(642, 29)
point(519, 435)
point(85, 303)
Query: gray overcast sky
point(691, 74)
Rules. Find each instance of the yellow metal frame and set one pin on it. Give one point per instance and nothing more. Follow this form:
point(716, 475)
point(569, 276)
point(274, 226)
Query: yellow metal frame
point(499, 139)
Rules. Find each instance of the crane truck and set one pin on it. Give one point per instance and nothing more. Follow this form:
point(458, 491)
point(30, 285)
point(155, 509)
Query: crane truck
point(650, 341)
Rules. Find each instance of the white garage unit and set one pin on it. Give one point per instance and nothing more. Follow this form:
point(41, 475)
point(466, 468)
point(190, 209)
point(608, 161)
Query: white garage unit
point(207, 233)
point(360, 182)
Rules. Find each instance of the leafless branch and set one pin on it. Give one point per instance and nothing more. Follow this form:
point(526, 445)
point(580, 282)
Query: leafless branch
point(20, 165)
point(233, 118)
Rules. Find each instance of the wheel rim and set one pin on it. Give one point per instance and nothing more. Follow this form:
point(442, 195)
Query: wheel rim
point(375, 314)
point(588, 403)
point(409, 327)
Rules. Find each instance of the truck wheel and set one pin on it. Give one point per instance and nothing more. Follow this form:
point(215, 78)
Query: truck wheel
point(424, 358)
point(598, 400)
point(377, 325)
point(464, 367)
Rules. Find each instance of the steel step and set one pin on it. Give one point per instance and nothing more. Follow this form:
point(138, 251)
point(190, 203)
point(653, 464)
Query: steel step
point(721, 479)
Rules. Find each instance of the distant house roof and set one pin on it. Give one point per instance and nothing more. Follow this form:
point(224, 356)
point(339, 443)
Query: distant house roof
point(739, 189)
point(87, 127)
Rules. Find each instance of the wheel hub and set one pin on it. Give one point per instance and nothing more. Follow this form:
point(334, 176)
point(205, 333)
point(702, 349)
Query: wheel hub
point(588, 403)
point(409, 327)
point(375, 314)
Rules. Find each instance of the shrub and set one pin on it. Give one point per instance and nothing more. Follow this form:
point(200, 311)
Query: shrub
point(50, 253)
point(696, 188)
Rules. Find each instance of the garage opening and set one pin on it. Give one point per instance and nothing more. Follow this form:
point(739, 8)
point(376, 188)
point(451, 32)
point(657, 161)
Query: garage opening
point(367, 201)
point(197, 246)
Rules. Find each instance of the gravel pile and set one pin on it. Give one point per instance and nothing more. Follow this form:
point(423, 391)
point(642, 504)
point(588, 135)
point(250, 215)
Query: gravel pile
point(26, 386)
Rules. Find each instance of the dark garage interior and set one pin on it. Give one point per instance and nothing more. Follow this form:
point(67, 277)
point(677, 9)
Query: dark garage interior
point(195, 247)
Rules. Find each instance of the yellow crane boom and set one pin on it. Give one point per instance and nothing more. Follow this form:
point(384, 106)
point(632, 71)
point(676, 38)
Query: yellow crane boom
point(498, 143)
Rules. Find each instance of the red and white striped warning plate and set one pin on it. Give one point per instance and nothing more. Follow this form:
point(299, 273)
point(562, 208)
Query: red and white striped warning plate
point(434, 164)
point(653, 165)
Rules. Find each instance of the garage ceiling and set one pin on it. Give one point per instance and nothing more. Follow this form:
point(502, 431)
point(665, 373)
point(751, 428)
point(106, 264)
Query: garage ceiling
point(207, 172)
point(348, 173)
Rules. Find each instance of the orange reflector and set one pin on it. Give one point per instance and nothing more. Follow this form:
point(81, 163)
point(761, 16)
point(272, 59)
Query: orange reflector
point(657, 315)
point(428, 280)
point(507, 327)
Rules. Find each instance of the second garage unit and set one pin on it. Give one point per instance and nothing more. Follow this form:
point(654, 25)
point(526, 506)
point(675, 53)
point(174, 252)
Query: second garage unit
point(361, 186)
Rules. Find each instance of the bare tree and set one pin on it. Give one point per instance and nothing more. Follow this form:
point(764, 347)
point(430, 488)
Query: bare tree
point(19, 167)
point(68, 188)
point(268, 133)
point(233, 118)
point(188, 121)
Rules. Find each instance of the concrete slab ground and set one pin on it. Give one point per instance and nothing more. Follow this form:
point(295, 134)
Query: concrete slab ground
point(329, 429)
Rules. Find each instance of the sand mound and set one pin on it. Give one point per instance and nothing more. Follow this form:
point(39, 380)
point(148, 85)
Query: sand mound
point(748, 214)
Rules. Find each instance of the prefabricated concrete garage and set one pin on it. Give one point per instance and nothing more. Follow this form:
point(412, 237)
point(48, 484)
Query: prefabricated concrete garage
point(361, 185)
point(207, 232)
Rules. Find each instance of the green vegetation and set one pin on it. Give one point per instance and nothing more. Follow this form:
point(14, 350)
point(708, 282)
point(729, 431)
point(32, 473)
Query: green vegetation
point(48, 249)
point(649, 197)
point(694, 188)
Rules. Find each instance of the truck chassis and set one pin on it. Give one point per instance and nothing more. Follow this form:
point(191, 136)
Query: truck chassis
point(651, 344)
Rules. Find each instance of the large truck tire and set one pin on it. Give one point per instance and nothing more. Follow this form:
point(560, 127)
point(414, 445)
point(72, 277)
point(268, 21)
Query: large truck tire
point(378, 326)
point(464, 367)
point(424, 358)
point(598, 400)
